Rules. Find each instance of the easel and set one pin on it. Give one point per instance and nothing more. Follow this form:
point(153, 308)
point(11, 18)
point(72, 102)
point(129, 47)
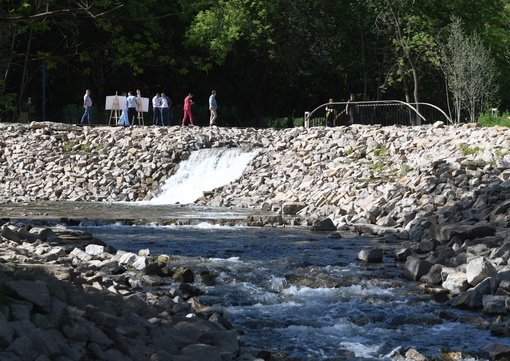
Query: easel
point(139, 110)
point(114, 113)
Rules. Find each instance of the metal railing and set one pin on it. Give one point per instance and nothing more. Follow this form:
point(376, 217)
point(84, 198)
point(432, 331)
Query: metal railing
point(383, 112)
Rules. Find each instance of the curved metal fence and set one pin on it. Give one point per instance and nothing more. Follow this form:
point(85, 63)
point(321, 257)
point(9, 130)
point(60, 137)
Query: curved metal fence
point(384, 112)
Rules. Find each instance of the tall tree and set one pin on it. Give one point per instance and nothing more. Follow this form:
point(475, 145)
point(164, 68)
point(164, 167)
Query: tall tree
point(470, 71)
point(411, 28)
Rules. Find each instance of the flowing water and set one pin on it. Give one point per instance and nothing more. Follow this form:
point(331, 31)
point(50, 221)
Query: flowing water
point(285, 289)
point(204, 170)
point(304, 293)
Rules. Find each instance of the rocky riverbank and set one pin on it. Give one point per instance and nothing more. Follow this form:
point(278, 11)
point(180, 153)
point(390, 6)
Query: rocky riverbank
point(442, 192)
point(67, 296)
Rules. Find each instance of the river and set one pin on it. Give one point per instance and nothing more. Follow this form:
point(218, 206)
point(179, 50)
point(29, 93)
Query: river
point(288, 290)
point(304, 293)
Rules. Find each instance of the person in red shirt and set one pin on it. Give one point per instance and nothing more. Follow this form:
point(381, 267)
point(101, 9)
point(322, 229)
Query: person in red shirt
point(187, 109)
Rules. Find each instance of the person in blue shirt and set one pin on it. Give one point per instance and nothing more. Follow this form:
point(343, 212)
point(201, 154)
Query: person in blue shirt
point(131, 105)
point(213, 107)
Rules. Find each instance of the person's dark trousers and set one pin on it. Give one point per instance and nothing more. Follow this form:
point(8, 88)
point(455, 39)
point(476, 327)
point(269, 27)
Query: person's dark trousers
point(132, 115)
point(156, 119)
point(165, 116)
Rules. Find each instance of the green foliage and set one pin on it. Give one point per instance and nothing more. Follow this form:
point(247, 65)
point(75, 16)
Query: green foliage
point(266, 58)
point(469, 70)
point(382, 152)
point(222, 26)
point(378, 166)
point(467, 150)
point(299, 122)
point(489, 120)
point(7, 103)
point(68, 146)
point(85, 147)
point(278, 123)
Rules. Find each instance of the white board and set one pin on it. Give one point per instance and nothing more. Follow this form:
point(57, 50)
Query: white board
point(110, 99)
point(145, 105)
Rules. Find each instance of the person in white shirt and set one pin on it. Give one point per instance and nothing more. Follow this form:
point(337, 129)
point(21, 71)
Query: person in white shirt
point(156, 108)
point(87, 105)
point(165, 109)
point(213, 107)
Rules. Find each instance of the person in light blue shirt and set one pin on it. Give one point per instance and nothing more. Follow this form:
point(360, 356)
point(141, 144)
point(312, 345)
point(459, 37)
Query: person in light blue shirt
point(213, 107)
point(87, 105)
point(131, 105)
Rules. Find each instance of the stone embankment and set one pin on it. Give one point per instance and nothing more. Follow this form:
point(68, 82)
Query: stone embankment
point(67, 296)
point(443, 193)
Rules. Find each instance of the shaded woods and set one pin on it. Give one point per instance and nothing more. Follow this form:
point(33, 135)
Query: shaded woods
point(267, 60)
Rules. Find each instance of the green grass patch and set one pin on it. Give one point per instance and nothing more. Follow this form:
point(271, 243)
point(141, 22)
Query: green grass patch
point(467, 150)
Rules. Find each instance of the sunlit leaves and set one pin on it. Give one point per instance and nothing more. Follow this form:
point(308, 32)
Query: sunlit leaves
point(221, 28)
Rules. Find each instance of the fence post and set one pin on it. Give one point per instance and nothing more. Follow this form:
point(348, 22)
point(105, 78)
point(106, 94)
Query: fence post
point(307, 120)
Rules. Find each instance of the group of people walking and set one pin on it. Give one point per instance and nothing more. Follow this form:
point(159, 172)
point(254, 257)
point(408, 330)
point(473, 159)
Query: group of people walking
point(161, 104)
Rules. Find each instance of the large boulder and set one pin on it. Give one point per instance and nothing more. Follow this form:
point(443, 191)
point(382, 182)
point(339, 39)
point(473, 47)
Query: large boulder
point(456, 283)
point(325, 225)
point(292, 207)
point(445, 232)
point(479, 269)
point(371, 255)
point(415, 268)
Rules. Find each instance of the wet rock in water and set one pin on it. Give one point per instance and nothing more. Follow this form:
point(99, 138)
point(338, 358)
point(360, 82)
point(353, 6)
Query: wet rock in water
point(325, 225)
point(434, 276)
point(402, 254)
point(414, 355)
point(496, 351)
point(183, 274)
point(335, 235)
point(494, 305)
point(208, 278)
point(371, 255)
point(415, 268)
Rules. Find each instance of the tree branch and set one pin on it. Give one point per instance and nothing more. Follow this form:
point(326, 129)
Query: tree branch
point(82, 9)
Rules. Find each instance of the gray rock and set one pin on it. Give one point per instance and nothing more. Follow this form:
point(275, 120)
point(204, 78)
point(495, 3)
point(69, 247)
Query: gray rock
point(292, 207)
point(325, 225)
point(6, 334)
point(494, 305)
point(415, 268)
point(496, 351)
point(433, 277)
point(371, 255)
point(35, 292)
point(456, 283)
point(201, 352)
point(478, 269)
point(9, 233)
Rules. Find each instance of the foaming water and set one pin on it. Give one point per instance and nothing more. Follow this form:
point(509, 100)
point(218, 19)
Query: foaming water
point(304, 294)
point(204, 170)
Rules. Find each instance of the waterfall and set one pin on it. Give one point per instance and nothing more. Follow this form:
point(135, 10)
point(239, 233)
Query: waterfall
point(204, 170)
